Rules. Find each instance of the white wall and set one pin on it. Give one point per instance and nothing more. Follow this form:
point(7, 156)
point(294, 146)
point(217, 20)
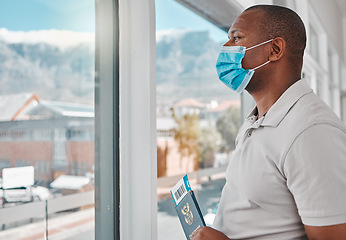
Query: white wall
point(331, 19)
point(248, 3)
point(343, 108)
point(343, 94)
point(344, 39)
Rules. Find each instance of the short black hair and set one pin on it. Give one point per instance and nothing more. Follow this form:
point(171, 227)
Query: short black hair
point(283, 22)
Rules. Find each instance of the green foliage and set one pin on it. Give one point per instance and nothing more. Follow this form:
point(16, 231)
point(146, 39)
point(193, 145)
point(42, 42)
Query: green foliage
point(210, 141)
point(228, 126)
point(201, 144)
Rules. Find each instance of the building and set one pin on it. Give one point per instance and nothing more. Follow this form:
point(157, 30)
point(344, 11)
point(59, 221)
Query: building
point(55, 138)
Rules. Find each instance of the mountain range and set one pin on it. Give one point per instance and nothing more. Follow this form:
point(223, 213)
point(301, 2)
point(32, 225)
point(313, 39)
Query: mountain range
point(185, 68)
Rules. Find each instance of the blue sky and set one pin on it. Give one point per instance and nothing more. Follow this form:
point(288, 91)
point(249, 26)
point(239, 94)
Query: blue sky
point(79, 15)
point(170, 15)
point(27, 15)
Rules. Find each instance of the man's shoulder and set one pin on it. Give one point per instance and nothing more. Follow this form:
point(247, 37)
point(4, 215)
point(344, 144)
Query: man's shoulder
point(310, 111)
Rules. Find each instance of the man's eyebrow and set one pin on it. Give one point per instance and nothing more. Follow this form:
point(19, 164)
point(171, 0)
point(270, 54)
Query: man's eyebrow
point(232, 32)
point(235, 30)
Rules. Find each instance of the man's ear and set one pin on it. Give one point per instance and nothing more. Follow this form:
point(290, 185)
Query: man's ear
point(277, 49)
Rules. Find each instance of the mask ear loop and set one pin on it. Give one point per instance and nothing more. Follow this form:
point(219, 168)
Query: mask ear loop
point(261, 65)
point(259, 44)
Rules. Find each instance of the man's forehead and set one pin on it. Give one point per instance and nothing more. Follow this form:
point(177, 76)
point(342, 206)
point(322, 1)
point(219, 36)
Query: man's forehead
point(246, 20)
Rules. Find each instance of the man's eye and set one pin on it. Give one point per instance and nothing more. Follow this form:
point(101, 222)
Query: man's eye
point(236, 38)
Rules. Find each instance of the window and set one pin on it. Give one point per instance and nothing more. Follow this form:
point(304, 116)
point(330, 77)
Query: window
point(290, 4)
point(78, 168)
point(5, 163)
point(197, 115)
point(314, 43)
point(22, 163)
point(80, 134)
point(47, 120)
point(42, 134)
point(42, 167)
point(334, 80)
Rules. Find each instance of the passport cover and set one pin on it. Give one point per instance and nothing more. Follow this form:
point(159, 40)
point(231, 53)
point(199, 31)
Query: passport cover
point(189, 214)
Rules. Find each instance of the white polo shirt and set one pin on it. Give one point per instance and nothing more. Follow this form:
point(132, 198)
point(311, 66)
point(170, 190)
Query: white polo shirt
point(288, 169)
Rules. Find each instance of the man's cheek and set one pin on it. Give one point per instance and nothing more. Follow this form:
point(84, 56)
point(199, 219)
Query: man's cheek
point(248, 60)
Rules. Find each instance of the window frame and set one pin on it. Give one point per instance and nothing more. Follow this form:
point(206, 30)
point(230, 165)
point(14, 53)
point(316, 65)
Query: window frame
point(138, 161)
point(125, 119)
point(125, 113)
point(107, 186)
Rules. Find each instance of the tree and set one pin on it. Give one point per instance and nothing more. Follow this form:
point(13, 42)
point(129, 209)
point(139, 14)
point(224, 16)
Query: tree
point(187, 135)
point(162, 153)
point(228, 126)
point(209, 143)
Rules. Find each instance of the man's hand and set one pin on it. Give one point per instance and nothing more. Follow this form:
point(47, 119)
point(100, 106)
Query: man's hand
point(208, 233)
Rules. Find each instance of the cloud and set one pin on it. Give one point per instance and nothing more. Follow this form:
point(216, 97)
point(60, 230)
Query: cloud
point(172, 34)
point(63, 39)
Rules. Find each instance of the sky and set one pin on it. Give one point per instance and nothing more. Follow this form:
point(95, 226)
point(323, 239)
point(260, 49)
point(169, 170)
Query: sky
point(79, 16)
point(171, 15)
point(29, 15)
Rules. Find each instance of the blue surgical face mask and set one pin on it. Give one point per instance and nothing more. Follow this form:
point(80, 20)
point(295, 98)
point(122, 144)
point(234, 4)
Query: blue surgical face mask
point(230, 70)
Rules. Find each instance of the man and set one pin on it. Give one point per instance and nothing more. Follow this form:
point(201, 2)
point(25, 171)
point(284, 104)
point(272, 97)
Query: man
point(287, 177)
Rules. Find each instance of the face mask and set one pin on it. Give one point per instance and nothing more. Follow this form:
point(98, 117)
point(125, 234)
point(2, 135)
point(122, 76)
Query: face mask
point(230, 70)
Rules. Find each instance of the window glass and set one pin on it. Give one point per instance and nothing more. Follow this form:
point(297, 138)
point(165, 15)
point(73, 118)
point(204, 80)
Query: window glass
point(314, 49)
point(280, 3)
point(319, 86)
point(290, 4)
point(47, 119)
point(331, 80)
point(197, 116)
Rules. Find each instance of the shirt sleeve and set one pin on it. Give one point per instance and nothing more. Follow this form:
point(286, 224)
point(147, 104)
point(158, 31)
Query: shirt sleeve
point(315, 168)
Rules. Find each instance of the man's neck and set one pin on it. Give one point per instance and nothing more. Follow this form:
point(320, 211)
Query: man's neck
point(265, 98)
point(264, 102)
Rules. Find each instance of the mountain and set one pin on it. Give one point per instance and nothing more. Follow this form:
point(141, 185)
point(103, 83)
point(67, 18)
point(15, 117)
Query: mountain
point(185, 67)
point(33, 62)
point(52, 73)
point(57, 65)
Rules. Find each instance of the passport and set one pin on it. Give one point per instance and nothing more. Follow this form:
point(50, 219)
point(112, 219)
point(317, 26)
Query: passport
point(187, 207)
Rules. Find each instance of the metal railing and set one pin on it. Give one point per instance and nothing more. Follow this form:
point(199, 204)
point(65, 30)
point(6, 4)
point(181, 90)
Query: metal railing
point(45, 208)
point(206, 172)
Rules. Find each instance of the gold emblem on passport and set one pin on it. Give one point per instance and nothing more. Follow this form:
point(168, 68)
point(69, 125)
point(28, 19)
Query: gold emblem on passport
point(187, 213)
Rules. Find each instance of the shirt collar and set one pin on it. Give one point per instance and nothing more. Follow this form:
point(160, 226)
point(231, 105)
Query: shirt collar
point(283, 105)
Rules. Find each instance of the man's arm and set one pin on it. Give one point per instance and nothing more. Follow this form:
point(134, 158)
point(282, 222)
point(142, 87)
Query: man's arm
point(315, 169)
point(208, 233)
point(333, 232)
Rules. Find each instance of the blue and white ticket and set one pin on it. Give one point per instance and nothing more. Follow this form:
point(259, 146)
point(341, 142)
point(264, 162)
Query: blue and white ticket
point(180, 190)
